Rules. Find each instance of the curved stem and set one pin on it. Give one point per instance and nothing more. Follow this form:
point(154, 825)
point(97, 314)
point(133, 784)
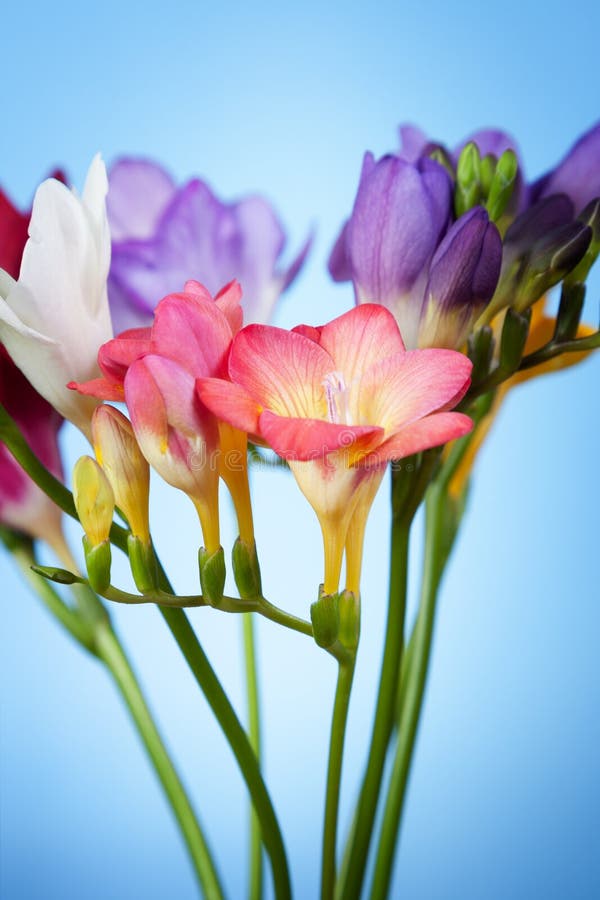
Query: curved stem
point(110, 651)
point(218, 701)
point(414, 693)
point(256, 873)
point(353, 876)
point(334, 774)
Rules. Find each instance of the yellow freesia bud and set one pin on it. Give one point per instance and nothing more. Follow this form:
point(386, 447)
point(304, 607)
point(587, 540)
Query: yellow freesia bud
point(94, 500)
point(128, 472)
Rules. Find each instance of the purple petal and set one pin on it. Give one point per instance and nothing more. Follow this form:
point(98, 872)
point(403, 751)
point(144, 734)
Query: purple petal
point(339, 265)
point(413, 143)
point(577, 175)
point(138, 193)
point(399, 214)
point(465, 268)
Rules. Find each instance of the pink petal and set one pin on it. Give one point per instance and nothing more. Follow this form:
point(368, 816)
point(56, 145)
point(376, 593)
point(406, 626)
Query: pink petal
point(309, 331)
point(406, 387)
point(230, 403)
point(228, 300)
point(282, 370)
point(193, 331)
point(361, 337)
point(115, 356)
point(99, 387)
point(431, 431)
point(311, 439)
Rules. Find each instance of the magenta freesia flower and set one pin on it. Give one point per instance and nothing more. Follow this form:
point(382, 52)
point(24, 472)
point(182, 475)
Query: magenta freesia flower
point(23, 505)
point(338, 403)
point(163, 235)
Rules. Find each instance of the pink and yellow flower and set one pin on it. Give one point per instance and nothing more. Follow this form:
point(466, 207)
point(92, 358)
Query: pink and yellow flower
point(337, 403)
point(154, 371)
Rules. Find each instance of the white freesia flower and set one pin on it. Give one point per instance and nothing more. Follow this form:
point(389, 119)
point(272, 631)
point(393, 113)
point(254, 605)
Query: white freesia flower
point(55, 317)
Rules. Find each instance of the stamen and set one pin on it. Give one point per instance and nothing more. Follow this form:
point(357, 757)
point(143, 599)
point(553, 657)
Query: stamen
point(336, 395)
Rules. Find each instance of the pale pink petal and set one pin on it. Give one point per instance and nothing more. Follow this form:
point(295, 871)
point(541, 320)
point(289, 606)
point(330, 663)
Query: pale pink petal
point(309, 331)
point(229, 402)
point(361, 337)
point(282, 370)
point(403, 388)
point(431, 431)
point(312, 439)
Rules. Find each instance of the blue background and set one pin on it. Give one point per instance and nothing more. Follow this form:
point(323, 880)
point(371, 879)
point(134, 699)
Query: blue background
point(504, 799)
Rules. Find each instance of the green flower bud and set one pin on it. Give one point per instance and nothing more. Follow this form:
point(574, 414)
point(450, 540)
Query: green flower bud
point(468, 185)
point(98, 560)
point(212, 575)
point(349, 616)
point(502, 185)
point(324, 614)
point(246, 569)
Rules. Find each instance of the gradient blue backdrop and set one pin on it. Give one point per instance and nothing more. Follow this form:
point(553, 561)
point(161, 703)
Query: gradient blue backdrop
point(505, 795)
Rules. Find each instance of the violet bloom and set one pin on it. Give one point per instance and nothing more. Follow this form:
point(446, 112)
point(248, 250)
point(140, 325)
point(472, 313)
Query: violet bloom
point(400, 214)
point(164, 235)
point(23, 505)
point(577, 175)
point(463, 276)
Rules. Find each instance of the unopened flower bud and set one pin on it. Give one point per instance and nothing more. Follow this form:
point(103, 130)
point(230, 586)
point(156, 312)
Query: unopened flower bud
point(467, 193)
point(502, 184)
point(212, 575)
point(128, 472)
point(246, 569)
point(94, 500)
point(324, 614)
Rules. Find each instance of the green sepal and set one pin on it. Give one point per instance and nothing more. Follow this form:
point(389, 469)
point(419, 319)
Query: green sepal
point(467, 193)
point(325, 618)
point(212, 575)
point(142, 560)
point(514, 337)
point(569, 311)
point(349, 619)
point(502, 185)
point(59, 576)
point(246, 569)
point(480, 350)
point(98, 561)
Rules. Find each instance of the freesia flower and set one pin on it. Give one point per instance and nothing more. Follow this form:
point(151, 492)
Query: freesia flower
point(54, 318)
point(154, 371)
point(163, 235)
point(400, 213)
point(23, 505)
point(338, 403)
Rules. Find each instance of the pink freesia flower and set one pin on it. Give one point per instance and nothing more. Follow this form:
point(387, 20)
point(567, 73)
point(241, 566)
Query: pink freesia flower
point(154, 371)
point(338, 403)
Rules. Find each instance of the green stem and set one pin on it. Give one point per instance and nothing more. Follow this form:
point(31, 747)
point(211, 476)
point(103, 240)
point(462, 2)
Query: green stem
point(334, 774)
point(353, 876)
point(197, 660)
point(218, 701)
point(415, 691)
point(91, 628)
point(256, 868)
point(110, 651)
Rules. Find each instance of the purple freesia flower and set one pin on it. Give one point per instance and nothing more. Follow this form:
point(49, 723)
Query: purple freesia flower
point(164, 235)
point(577, 175)
point(463, 276)
point(400, 213)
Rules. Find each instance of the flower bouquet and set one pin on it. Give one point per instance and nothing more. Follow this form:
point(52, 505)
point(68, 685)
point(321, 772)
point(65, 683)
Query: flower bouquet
point(138, 311)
